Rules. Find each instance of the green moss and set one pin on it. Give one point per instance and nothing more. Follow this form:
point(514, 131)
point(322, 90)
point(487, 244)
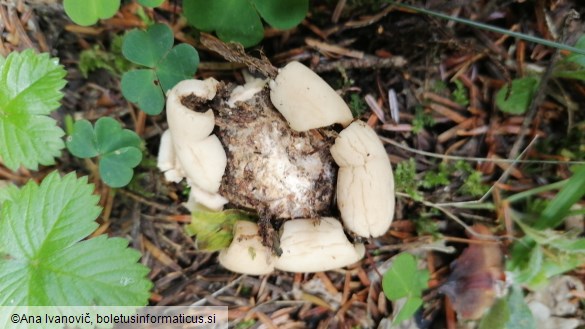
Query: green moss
point(357, 105)
point(421, 120)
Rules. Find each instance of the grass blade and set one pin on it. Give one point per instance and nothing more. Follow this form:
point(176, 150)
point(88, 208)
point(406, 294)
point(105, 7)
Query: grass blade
point(492, 28)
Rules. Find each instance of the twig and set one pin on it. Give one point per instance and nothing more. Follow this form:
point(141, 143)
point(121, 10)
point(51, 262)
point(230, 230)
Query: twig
point(202, 301)
point(234, 52)
point(474, 159)
point(367, 62)
point(143, 200)
point(450, 215)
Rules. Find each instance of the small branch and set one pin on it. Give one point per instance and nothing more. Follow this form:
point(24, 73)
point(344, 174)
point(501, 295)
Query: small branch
point(474, 159)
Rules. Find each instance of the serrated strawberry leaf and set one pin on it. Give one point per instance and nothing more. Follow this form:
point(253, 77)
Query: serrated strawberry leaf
point(44, 261)
point(117, 148)
point(87, 12)
point(30, 86)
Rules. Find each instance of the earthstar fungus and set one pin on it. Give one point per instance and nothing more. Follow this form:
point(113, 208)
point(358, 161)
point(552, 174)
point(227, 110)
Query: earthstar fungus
point(272, 151)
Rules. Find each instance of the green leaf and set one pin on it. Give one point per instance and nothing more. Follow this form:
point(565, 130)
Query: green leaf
point(148, 47)
point(7, 193)
point(82, 143)
point(509, 313)
point(110, 136)
point(557, 209)
point(151, 3)
point(497, 316)
point(30, 86)
point(179, 64)
point(87, 12)
point(46, 263)
point(118, 149)
point(404, 278)
point(407, 310)
point(577, 75)
point(233, 20)
point(534, 262)
point(116, 167)
point(142, 87)
point(578, 58)
point(520, 315)
point(564, 241)
point(214, 228)
point(283, 14)
point(521, 94)
point(167, 66)
point(400, 280)
point(526, 260)
point(570, 245)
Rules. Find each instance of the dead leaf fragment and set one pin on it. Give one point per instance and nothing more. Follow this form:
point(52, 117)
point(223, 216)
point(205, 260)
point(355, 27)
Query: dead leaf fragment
point(473, 282)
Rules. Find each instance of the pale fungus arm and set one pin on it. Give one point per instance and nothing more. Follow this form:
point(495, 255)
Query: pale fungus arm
point(187, 125)
point(167, 160)
point(365, 183)
point(310, 245)
point(187, 148)
point(246, 254)
point(211, 201)
point(204, 162)
point(305, 100)
point(247, 91)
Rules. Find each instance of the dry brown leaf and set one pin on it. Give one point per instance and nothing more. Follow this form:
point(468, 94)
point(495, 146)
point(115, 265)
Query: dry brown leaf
point(471, 287)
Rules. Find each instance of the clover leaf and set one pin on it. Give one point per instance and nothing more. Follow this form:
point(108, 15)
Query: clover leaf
point(87, 12)
point(165, 66)
point(45, 261)
point(521, 92)
point(405, 280)
point(151, 3)
point(30, 86)
point(510, 312)
point(284, 14)
point(239, 20)
point(117, 148)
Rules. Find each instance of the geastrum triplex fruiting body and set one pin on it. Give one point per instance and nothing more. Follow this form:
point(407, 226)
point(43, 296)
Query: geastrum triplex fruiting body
point(270, 147)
